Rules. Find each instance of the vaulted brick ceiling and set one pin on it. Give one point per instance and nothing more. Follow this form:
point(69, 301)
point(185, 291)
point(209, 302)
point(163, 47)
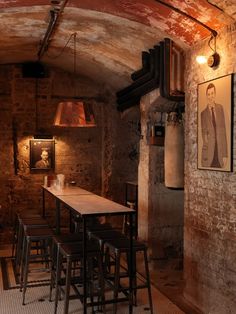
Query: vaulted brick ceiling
point(110, 33)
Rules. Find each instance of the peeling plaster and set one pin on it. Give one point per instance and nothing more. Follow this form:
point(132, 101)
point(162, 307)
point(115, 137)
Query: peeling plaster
point(111, 33)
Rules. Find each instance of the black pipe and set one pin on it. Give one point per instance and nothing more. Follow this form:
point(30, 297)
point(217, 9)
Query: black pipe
point(51, 25)
point(54, 16)
point(145, 66)
point(142, 80)
point(151, 83)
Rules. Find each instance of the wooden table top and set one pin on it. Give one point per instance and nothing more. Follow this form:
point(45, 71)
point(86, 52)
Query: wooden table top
point(92, 204)
point(70, 190)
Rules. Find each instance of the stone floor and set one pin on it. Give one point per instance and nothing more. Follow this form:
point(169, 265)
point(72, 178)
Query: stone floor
point(166, 276)
point(162, 304)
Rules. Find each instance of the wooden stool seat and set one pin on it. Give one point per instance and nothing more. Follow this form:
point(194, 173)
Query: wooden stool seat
point(75, 249)
point(70, 237)
point(39, 233)
point(102, 236)
point(122, 244)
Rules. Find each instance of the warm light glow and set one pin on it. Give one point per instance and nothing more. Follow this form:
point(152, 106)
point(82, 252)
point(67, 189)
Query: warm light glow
point(74, 114)
point(201, 59)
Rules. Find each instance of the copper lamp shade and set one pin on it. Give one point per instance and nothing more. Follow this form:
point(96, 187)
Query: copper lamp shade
point(74, 114)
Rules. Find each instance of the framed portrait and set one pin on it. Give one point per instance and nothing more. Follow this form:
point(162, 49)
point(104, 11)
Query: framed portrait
point(42, 154)
point(215, 124)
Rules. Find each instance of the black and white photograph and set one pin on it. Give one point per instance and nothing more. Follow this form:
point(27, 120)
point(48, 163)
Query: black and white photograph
point(42, 154)
point(215, 124)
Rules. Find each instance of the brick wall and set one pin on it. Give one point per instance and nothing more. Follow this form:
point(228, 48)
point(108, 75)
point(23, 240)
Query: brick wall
point(210, 198)
point(88, 156)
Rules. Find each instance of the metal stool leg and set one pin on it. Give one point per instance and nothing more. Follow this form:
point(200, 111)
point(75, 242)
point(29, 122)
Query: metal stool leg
point(19, 248)
point(148, 280)
point(116, 281)
point(57, 280)
point(22, 263)
point(101, 283)
point(67, 289)
point(26, 269)
point(53, 269)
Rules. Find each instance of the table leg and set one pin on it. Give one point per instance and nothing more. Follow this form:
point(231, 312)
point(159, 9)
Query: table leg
point(58, 216)
point(84, 266)
point(131, 268)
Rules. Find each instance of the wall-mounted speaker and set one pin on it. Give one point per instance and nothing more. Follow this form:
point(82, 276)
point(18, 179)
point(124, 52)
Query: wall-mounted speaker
point(33, 70)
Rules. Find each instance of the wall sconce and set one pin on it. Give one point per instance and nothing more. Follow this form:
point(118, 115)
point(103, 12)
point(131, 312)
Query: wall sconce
point(214, 59)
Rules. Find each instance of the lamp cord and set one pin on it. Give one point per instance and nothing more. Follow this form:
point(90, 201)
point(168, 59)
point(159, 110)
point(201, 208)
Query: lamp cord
point(73, 35)
point(63, 48)
point(36, 105)
point(209, 43)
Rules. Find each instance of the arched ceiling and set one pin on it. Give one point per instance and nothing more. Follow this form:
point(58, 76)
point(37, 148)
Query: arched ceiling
point(111, 34)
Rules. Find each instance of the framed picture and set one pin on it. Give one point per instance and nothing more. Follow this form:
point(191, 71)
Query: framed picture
point(215, 124)
point(42, 154)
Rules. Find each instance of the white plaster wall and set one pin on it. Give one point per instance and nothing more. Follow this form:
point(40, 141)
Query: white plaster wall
point(210, 198)
point(160, 209)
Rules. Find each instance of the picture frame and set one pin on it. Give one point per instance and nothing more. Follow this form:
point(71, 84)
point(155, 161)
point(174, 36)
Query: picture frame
point(42, 154)
point(215, 124)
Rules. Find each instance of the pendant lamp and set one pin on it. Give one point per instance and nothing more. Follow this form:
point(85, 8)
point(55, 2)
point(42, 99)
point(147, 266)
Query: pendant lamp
point(74, 112)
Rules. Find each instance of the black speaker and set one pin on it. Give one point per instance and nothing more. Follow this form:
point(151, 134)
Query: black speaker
point(33, 69)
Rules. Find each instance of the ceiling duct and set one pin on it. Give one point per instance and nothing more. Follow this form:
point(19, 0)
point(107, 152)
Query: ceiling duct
point(131, 95)
point(151, 81)
point(164, 68)
point(171, 71)
point(145, 66)
point(126, 92)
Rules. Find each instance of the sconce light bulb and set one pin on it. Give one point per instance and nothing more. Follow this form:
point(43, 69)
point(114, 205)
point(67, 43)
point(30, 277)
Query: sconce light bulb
point(201, 59)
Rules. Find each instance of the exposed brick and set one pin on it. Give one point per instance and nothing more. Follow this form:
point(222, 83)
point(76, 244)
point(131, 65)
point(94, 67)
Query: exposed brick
point(85, 155)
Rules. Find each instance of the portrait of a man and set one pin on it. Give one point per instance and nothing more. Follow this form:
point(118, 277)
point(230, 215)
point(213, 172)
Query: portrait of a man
point(41, 154)
point(214, 124)
point(44, 162)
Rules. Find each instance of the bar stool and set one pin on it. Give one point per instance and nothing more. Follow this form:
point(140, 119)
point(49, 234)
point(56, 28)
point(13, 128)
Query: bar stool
point(76, 222)
point(57, 240)
point(74, 252)
point(19, 215)
point(31, 235)
point(24, 223)
point(101, 236)
point(122, 245)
